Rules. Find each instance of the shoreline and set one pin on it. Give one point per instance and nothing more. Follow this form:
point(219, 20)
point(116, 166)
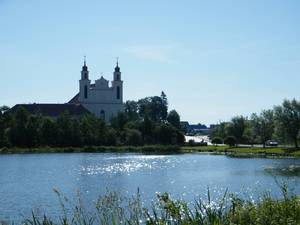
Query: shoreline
point(239, 152)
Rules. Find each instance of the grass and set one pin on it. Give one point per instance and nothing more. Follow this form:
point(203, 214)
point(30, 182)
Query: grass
point(157, 149)
point(164, 149)
point(245, 151)
point(230, 210)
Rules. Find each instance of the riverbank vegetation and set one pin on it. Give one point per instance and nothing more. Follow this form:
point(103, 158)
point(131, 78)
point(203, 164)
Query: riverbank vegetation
point(230, 209)
point(282, 124)
point(243, 151)
point(143, 122)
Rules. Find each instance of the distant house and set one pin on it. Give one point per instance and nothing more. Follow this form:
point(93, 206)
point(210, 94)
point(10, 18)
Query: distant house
point(192, 129)
point(101, 99)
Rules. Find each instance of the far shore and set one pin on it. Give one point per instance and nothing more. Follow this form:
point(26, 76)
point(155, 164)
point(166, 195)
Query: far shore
point(165, 149)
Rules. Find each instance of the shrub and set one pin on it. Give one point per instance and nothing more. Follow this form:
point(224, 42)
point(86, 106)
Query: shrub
point(230, 140)
point(191, 142)
point(133, 137)
point(217, 140)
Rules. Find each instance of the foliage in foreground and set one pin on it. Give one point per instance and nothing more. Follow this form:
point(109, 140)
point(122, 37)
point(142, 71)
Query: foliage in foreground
point(113, 209)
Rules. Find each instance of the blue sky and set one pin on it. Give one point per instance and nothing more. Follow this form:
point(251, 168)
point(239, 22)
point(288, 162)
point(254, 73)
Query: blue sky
point(213, 59)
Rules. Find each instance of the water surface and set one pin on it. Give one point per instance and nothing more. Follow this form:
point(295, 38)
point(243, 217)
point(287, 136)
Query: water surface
point(27, 181)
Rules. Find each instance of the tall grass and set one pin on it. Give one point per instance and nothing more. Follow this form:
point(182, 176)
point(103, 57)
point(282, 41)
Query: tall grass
point(115, 209)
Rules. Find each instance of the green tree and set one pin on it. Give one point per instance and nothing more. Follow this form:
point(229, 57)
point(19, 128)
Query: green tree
point(166, 134)
point(217, 140)
point(220, 131)
point(118, 122)
point(164, 107)
point(230, 140)
point(263, 125)
point(131, 110)
point(147, 129)
point(288, 118)
point(133, 137)
point(110, 137)
point(156, 108)
point(48, 133)
point(174, 119)
point(64, 130)
point(18, 129)
point(33, 131)
point(237, 128)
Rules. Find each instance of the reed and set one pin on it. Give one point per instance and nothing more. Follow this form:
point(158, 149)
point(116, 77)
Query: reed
point(115, 209)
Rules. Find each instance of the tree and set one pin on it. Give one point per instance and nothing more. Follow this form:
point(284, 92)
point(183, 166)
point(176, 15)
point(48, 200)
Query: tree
point(131, 110)
point(220, 130)
point(48, 132)
point(237, 128)
point(217, 140)
point(118, 122)
point(64, 130)
point(230, 140)
point(263, 125)
point(164, 110)
point(166, 134)
point(288, 117)
point(18, 130)
point(110, 137)
point(174, 119)
point(156, 108)
point(33, 131)
point(133, 137)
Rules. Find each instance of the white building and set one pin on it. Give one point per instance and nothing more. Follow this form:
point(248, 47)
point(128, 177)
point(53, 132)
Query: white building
point(100, 98)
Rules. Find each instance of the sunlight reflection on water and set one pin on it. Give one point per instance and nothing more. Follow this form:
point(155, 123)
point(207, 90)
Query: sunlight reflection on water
point(128, 164)
point(28, 180)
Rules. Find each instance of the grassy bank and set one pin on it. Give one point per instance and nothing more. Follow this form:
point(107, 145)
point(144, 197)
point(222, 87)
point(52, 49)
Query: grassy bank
point(230, 210)
point(163, 149)
point(157, 149)
point(244, 151)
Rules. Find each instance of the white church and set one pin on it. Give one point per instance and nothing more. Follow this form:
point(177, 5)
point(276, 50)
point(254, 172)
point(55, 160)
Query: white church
point(102, 99)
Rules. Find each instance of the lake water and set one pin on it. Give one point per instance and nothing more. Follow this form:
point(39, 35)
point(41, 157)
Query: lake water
point(27, 181)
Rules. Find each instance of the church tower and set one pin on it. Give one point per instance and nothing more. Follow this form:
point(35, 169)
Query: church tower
point(84, 84)
point(117, 84)
point(103, 100)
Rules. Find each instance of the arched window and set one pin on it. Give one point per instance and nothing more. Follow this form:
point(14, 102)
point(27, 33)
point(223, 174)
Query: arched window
point(85, 91)
point(102, 114)
point(118, 92)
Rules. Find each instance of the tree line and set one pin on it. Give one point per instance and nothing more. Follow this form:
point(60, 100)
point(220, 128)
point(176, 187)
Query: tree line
point(146, 121)
point(282, 123)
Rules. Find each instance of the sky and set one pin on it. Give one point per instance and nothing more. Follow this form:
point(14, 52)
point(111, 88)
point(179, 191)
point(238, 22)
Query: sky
point(213, 59)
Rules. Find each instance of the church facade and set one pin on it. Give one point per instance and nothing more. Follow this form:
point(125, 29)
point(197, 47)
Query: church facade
point(100, 98)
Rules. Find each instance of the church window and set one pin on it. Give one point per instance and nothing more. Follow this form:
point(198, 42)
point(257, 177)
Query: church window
point(85, 92)
point(102, 114)
point(118, 76)
point(118, 92)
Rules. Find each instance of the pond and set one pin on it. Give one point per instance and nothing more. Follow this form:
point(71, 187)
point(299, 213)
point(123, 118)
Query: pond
point(27, 180)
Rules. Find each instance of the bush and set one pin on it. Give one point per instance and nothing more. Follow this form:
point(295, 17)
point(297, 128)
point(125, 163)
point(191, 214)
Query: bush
point(217, 140)
point(115, 209)
point(230, 140)
point(191, 142)
point(133, 137)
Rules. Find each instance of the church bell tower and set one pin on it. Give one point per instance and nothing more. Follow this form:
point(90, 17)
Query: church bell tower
point(84, 83)
point(117, 84)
